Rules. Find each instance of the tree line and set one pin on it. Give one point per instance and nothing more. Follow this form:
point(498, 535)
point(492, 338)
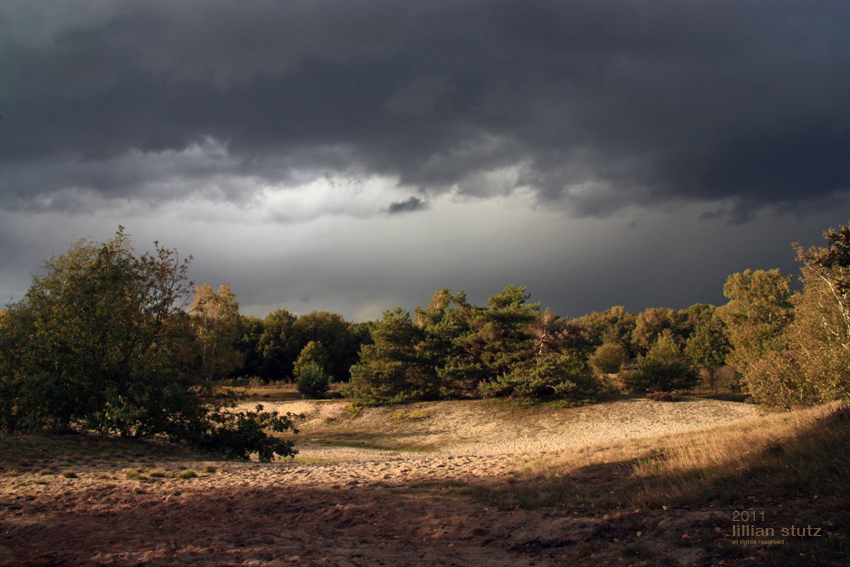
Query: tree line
point(784, 348)
point(108, 341)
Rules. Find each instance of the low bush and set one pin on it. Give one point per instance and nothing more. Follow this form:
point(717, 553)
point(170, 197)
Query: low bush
point(312, 380)
point(608, 358)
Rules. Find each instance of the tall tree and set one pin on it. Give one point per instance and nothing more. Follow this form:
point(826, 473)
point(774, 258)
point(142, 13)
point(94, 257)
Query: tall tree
point(499, 336)
point(333, 332)
point(395, 368)
point(249, 329)
point(102, 327)
point(758, 311)
point(814, 364)
point(708, 347)
point(649, 325)
point(279, 346)
point(215, 318)
point(663, 368)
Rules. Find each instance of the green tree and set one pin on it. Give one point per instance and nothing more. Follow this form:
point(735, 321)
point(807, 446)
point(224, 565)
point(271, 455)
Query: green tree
point(552, 374)
point(499, 336)
point(249, 329)
point(311, 377)
point(279, 346)
point(758, 311)
point(98, 343)
point(395, 368)
point(613, 325)
point(708, 347)
point(813, 364)
point(663, 369)
point(102, 328)
point(333, 332)
point(215, 318)
point(608, 358)
point(312, 352)
point(649, 325)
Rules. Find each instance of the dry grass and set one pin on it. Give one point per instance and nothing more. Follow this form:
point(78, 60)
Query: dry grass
point(776, 451)
point(794, 466)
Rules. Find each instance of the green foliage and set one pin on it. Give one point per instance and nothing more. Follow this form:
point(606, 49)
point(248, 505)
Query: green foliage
point(608, 358)
point(551, 375)
point(708, 347)
point(312, 352)
point(236, 435)
point(813, 364)
point(452, 348)
point(96, 340)
point(615, 325)
point(664, 368)
point(100, 343)
point(396, 368)
point(310, 375)
point(332, 331)
point(649, 325)
point(311, 379)
point(279, 346)
point(248, 332)
point(493, 339)
point(758, 311)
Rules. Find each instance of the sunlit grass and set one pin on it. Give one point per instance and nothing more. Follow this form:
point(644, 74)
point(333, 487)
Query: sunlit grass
point(794, 467)
point(775, 453)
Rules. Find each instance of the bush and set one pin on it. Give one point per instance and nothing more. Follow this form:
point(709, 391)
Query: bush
point(608, 358)
point(236, 435)
point(312, 380)
point(663, 369)
point(777, 380)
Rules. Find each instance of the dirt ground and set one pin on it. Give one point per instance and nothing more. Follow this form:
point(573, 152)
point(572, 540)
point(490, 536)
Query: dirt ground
point(365, 489)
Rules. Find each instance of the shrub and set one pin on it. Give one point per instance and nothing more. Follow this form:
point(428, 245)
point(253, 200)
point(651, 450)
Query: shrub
point(312, 380)
point(664, 368)
point(608, 358)
point(236, 435)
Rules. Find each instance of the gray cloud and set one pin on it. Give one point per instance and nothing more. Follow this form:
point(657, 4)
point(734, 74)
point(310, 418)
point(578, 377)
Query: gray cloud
point(408, 206)
point(594, 105)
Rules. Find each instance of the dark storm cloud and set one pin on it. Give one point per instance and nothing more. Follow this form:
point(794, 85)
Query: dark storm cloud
point(408, 206)
point(593, 105)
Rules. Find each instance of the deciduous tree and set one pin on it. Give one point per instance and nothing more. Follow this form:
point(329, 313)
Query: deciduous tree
point(215, 318)
point(98, 344)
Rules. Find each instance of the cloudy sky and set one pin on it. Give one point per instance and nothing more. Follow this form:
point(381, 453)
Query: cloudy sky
point(356, 155)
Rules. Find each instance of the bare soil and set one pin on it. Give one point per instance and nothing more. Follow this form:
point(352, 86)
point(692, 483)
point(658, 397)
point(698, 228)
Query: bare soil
point(374, 487)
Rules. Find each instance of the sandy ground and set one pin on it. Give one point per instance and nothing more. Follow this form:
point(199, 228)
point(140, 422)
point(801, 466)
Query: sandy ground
point(342, 505)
